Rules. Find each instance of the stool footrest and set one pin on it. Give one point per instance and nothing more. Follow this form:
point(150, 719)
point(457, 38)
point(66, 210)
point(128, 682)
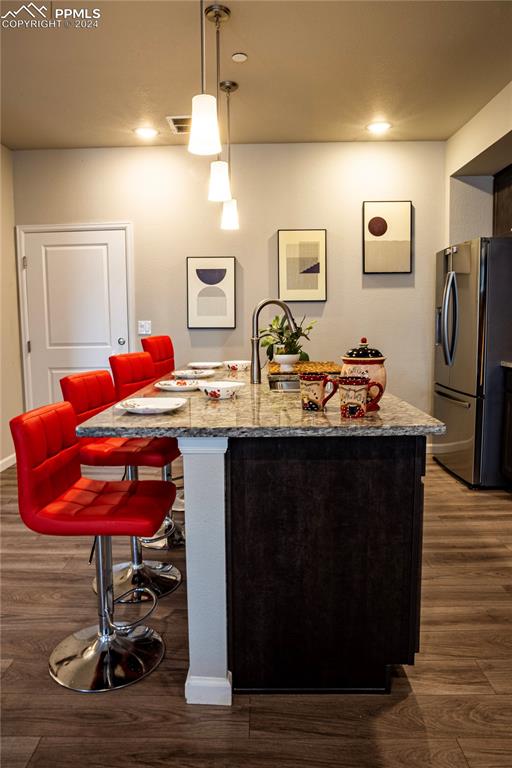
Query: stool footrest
point(126, 627)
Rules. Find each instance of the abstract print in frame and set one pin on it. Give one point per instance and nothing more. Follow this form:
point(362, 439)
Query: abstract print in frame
point(211, 296)
point(387, 237)
point(302, 264)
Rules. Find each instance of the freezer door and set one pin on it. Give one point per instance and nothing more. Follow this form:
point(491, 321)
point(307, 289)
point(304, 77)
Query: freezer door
point(458, 448)
point(467, 326)
point(443, 266)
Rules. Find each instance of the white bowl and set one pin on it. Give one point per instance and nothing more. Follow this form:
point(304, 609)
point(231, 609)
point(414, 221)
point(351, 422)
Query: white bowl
point(286, 362)
point(221, 390)
point(237, 365)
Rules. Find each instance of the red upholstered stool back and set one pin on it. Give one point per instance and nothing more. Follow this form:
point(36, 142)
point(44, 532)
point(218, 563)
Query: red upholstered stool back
point(161, 350)
point(89, 393)
point(47, 459)
point(131, 372)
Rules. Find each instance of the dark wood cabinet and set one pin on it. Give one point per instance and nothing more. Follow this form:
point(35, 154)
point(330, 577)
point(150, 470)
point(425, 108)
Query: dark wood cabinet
point(506, 460)
point(502, 224)
point(324, 561)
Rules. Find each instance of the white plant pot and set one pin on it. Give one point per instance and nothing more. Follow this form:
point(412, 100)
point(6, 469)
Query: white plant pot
point(286, 362)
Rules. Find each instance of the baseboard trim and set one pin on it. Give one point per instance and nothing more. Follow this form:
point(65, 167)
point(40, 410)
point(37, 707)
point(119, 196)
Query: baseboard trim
point(208, 690)
point(7, 462)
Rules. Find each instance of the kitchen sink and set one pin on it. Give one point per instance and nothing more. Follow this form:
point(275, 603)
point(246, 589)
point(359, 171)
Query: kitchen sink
point(284, 385)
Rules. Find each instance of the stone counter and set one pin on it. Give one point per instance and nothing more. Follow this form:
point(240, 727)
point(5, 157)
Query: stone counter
point(259, 412)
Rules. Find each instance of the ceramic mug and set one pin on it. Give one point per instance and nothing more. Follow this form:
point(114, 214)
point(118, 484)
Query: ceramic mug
point(313, 390)
point(354, 397)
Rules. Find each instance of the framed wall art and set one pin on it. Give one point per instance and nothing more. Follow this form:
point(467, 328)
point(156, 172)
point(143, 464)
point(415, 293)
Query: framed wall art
point(302, 264)
point(387, 237)
point(211, 292)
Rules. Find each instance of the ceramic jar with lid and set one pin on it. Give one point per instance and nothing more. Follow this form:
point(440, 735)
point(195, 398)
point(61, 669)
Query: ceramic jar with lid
point(366, 361)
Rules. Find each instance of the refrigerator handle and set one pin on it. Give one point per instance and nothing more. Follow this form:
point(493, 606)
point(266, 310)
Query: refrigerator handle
point(450, 291)
point(455, 309)
point(454, 400)
point(444, 318)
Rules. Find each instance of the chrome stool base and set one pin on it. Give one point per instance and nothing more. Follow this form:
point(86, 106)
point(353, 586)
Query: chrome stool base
point(88, 662)
point(160, 578)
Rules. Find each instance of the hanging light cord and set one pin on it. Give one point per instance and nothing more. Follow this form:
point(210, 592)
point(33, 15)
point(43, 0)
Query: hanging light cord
point(203, 72)
point(229, 133)
point(217, 39)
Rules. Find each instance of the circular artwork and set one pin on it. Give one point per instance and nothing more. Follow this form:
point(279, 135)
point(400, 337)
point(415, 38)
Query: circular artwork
point(377, 226)
point(211, 276)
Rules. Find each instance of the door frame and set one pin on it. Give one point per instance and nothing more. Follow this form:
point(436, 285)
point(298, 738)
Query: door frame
point(21, 231)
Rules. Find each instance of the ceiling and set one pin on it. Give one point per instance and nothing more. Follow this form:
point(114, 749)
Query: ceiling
point(317, 71)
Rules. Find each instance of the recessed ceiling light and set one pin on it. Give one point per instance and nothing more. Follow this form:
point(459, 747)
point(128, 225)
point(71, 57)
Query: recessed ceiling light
point(239, 57)
point(146, 133)
point(378, 127)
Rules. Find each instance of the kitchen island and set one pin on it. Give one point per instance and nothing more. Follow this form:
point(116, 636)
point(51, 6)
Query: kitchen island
point(303, 555)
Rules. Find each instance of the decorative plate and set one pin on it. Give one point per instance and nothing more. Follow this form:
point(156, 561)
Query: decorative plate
point(150, 405)
point(205, 365)
point(193, 374)
point(177, 385)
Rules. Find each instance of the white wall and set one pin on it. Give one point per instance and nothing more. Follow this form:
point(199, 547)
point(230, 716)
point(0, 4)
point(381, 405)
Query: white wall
point(469, 199)
point(487, 127)
point(12, 398)
point(163, 191)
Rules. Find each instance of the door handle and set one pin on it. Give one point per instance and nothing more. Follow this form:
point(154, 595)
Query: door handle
point(121, 341)
point(455, 315)
point(450, 290)
point(454, 400)
point(444, 319)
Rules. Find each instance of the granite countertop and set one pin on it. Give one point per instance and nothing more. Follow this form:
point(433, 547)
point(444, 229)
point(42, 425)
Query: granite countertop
point(506, 363)
point(258, 412)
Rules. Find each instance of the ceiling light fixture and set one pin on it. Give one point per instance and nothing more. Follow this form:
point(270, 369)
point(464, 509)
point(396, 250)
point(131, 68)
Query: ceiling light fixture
point(239, 57)
point(379, 127)
point(204, 132)
point(219, 189)
point(146, 132)
point(229, 219)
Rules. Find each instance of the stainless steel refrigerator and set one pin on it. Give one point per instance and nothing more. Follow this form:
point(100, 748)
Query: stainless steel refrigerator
point(473, 333)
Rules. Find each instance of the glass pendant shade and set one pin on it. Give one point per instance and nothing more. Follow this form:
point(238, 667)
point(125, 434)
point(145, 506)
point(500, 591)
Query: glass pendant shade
point(230, 215)
point(219, 190)
point(204, 131)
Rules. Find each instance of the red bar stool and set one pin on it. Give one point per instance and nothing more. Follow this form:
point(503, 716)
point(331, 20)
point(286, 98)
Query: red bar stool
point(55, 499)
point(161, 350)
point(89, 393)
point(131, 372)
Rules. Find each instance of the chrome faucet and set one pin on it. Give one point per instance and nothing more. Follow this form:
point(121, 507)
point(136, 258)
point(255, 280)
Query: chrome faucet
point(255, 338)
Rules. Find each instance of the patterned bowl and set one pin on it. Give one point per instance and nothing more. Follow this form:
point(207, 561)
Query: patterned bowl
point(221, 390)
point(237, 365)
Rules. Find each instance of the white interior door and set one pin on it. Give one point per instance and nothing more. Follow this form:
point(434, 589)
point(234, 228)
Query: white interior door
point(75, 284)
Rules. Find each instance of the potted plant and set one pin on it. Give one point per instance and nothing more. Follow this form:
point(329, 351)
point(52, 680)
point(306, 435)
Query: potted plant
point(283, 345)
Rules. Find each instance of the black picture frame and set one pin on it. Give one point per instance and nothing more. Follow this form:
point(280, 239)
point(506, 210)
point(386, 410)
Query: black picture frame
point(367, 271)
point(282, 294)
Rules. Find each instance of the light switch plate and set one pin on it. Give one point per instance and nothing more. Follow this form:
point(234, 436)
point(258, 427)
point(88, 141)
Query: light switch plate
point(144, 327)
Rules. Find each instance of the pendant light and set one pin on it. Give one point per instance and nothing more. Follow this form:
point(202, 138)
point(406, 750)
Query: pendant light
point(219, 189)
point(204, 130)
point(229, 218)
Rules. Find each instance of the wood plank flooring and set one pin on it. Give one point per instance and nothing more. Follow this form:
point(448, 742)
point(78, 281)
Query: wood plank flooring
point(453, 709)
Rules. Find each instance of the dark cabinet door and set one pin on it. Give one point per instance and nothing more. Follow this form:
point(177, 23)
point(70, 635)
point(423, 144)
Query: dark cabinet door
point(503, 203)
point(506, 461)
